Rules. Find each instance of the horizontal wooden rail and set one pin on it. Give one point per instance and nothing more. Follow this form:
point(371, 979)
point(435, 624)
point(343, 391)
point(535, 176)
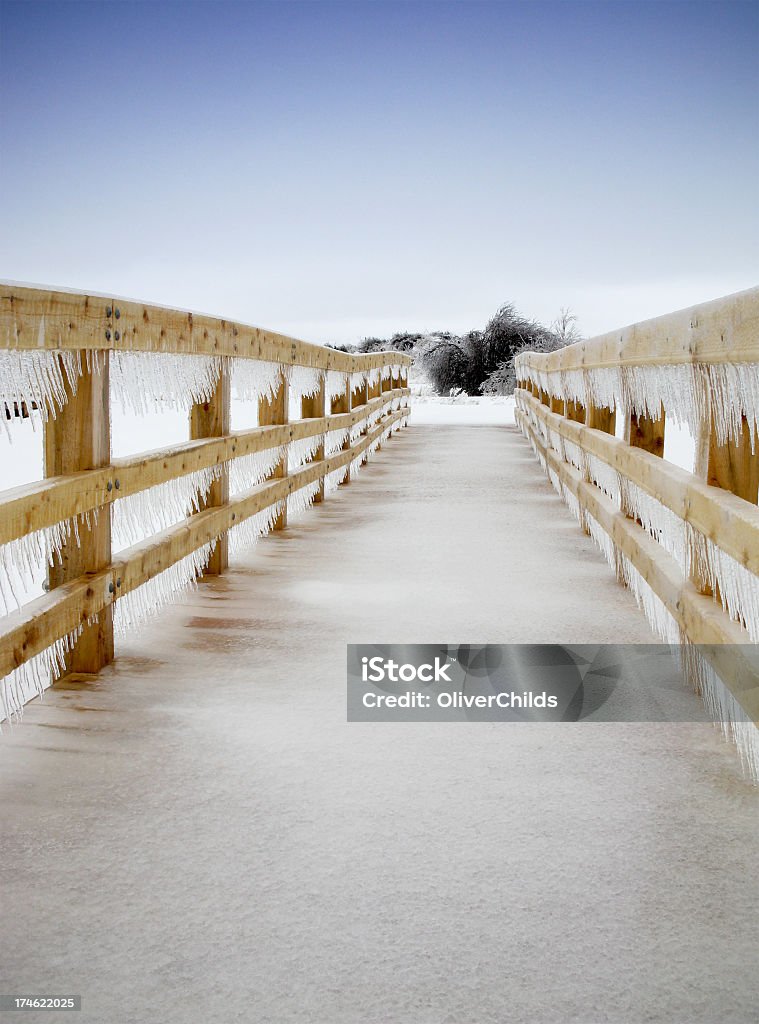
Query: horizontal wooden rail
point(44, 503)
point(732, 523)
point(723, 331)
point(34, 627)
point(32, 318)
point(62, 356)
point(699, 617)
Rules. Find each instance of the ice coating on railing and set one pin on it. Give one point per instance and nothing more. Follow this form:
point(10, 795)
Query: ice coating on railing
point(23, 561)
point(724, 708)
point(245, 534)
point(333, 480)
point(690, 394)
point(737, 587)
point(335, 384)
point(33, 677)
point(304, 381)
point(34, 383)
point(252, 379)
point(302, 451)
point(248, 470)
point(139, 515)
point(659, 521)
point(140, 381)
point(139, 604)
point(334, 440)
point(300, 501)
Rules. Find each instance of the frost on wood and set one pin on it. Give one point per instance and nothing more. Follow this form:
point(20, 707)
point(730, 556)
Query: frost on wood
point(34, 676)
point(252, 379)
point(301, 500)
point(304, 381)
point(33, 383)
point(659, 521)
point(249, 470)
point(23, 560)
point(335, 384)
point(737, 586)
point(724, 708)
point(334, 440)
point(689, 393)
point(333, 480)
point(139, 604)
point(302, 451)
point(604, 476)
point(139, 515)
point(143, 380)
point(246, 533)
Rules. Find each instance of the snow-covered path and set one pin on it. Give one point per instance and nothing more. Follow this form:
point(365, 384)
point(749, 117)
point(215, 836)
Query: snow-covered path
point(198, 834)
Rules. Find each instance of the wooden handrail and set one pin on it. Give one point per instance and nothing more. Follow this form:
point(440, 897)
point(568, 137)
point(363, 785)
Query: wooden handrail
point(32, 318)
point(77, 336)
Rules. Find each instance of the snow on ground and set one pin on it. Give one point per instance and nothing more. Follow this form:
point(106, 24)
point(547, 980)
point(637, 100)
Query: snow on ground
point(461, 410)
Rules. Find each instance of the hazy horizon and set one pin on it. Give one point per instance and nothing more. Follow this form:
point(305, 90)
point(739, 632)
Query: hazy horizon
point(336, 171)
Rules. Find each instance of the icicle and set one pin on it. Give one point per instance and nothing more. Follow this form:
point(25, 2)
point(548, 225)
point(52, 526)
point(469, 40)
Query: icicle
point(568, 384)
point(304, 381)
point(142, 380)
point(660, 619)
point(33, 677)
point(139, 604)
point(302, 499)
point(734, 392)
point(139, 515)
point(302, 451)
point(603, 387)
point(333, 480)
point(603, 541)
point(604, 476)
point(373, 377)
point(661, 523)
point(34, 382)
point(335, 384)
point(737, 586)
point(248, 470)
point(23, 561)
point(246, 533)
point(256, 378)
point(356, 430)
point(357, 380)
point(334, 440)
point(735, 723)
point(647, 390)
point(356, 466)
point(574, 454)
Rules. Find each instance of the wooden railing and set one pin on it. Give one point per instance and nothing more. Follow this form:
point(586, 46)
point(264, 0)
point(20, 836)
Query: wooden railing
point(687, 543)
point(62, 355)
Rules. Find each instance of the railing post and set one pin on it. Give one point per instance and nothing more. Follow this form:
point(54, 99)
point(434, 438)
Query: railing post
point(359, 397)
point(575, 411)
point(272, 411)
point(733, 466)
point(601, 417)
point(342, 403)
point(212, 419)
point(80, 438)
point(312, 407)
point(645, 432)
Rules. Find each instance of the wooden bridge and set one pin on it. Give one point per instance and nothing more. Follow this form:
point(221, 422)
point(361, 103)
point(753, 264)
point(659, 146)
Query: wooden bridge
point(192, 831)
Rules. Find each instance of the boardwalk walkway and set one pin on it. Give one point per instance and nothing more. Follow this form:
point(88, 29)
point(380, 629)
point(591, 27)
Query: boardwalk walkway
point(198, 835)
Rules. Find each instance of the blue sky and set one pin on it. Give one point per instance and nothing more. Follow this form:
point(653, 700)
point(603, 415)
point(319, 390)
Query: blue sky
point(343, 169)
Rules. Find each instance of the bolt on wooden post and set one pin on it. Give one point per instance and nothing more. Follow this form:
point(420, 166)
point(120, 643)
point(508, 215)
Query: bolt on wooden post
point(342, 403)
point(212, 419)
point(272, 411)
point(312, 407)
point(79, 438)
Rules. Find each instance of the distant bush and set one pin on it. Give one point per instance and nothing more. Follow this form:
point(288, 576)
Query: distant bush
point(479, 362)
